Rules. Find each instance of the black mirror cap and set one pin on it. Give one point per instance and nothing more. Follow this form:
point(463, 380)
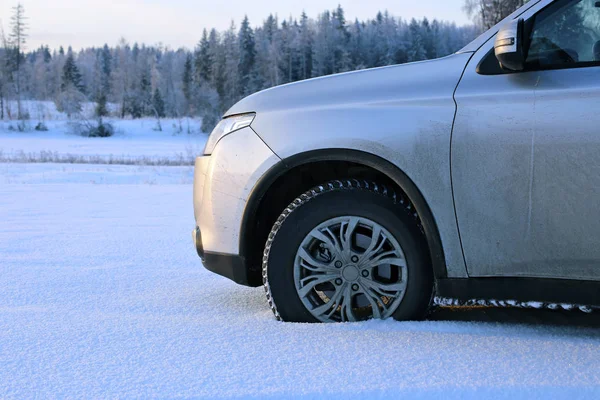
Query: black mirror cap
point(508, 46)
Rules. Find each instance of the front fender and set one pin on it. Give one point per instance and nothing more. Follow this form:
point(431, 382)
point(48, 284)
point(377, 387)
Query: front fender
point(403, 115)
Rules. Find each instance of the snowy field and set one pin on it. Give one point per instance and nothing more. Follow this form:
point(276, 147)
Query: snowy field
point(104, 296)
point(97, 174)
point(135, 142)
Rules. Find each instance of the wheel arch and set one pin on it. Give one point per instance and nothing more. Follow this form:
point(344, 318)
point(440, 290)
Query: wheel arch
point(288, 179)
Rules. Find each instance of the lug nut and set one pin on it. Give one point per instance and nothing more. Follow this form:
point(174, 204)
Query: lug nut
point(365, 273)
point(338, 264)
point(355, 287)
point(354, 258)
point(338, 281)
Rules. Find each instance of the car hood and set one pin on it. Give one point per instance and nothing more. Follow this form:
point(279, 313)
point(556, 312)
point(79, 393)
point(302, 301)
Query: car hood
point(426, 79)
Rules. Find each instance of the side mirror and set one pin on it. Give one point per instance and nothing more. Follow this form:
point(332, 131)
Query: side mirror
point(509, 46)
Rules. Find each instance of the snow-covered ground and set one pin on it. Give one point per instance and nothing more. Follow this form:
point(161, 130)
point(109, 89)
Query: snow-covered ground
point(96, 174)
point(135, 142)
point(102, 295)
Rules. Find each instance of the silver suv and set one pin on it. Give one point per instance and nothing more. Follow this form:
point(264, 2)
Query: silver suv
point(365, 194)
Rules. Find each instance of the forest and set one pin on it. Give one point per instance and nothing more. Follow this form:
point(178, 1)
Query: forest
point(139, 80)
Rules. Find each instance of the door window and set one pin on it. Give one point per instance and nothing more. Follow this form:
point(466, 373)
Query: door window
point(565, 35)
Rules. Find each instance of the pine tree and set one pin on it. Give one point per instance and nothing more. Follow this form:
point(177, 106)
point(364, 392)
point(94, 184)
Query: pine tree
point(101, 106)
point(229, 67)
point(247, 56)
point(187, 81)
point(158, 104)
point(268, 45)
point(71, 74)
point(285, 53)
point(71, 98)
point(356, 45)
point(47, 55)
point(416, 49)
point(216, 54)
point(203, 59)
point(306, 47)
point(429, 43)
point(341, 37)
point(270, 28)
point(135, 52)
point(321, 54)
point(170, 87)
point(106, 68)
point(142, 104)
point(398, 52)
point(96, 86)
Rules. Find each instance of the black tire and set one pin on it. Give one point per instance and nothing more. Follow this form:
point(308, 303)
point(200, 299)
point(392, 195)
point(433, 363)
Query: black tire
point(335, 199)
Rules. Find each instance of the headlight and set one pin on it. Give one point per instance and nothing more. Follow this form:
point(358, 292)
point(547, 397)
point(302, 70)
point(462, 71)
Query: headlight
point(225, 127)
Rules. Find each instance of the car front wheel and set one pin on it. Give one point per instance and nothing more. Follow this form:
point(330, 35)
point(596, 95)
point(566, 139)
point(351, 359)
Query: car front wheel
point(347, 251)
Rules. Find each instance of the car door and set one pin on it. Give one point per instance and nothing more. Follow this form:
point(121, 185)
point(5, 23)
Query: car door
point(526, 152)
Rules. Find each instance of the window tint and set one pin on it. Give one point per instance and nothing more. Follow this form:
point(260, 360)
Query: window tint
point(565, 34)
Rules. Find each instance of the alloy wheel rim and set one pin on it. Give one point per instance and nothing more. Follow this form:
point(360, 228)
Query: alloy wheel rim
point(350, 269)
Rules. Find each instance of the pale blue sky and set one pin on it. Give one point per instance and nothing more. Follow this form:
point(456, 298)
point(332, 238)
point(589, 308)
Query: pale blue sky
point(176, 23)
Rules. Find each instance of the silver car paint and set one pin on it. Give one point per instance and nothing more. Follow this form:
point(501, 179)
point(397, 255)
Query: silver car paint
point(222, 185)
point(526, 171)
point(403, 114)
point(512, 208)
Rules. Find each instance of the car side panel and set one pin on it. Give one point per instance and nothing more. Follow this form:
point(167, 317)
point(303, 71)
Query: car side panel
point(526, 171)
point(406, 119)
point(491, 168)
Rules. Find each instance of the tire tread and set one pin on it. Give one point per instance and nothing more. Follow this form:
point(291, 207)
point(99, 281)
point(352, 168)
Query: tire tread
point(336, 185)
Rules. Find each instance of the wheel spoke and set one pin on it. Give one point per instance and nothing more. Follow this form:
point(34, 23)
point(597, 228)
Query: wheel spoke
point(346, 236)
point(373, 301)
point(376, 244)
point(374, 239)
point(329, 239)
point(312, 264)
point(395, 261)
point(379, 259)
point(333, 302)
point(346, 312)
point(310, 282)
point(385, 289)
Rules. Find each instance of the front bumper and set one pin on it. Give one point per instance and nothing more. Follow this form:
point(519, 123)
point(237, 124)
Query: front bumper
point(230, 266)
point(197, 238)
point(223, 183)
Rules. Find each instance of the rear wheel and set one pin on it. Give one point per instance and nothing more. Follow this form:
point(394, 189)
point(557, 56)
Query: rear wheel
point(347, 251)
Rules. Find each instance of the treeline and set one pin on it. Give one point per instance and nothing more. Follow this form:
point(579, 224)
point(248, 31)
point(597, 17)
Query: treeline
point(487, 13)
point(224, 67)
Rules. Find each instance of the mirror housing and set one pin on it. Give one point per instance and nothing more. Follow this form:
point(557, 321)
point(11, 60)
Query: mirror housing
point(509, 46)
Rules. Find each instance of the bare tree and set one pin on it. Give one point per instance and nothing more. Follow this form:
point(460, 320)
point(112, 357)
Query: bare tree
point(3, 70)
point(488, 13)
point(18, 40)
